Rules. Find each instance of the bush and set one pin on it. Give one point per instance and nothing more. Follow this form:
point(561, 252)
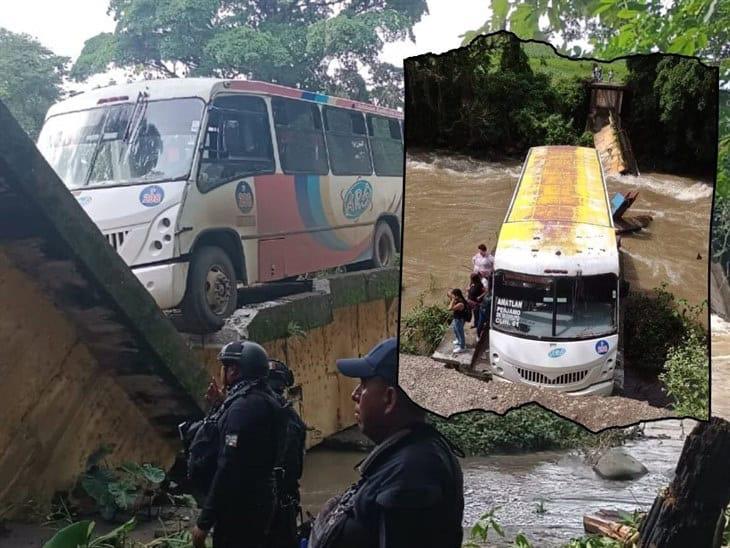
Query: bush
point(655, 323)
point(686, 376)
point(586, 140)
point(422, 329)
point(526, 429)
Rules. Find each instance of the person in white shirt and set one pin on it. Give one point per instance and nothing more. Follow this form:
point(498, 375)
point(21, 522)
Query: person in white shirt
point(483, 264)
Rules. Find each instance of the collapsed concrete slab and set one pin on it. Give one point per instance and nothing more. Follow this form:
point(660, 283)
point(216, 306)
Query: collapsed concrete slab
point(65, 291)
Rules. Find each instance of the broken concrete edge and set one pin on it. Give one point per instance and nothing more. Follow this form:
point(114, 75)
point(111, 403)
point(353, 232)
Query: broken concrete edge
point(32, 177)
point(293, 315)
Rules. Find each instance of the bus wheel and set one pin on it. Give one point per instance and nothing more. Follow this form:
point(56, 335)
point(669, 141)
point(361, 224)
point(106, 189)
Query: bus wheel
point(383, 246)
point(211, 295)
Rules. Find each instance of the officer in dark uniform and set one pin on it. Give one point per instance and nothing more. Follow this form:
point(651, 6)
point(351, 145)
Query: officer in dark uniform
point(289, 469)
point(240, 501)
point(411, 490)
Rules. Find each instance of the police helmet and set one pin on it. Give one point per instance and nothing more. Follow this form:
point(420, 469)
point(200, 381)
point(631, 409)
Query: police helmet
point(249, 357)
point(280, 376)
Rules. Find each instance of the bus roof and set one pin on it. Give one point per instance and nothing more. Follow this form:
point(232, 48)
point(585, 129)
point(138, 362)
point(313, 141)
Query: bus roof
point(204, 88)
point(560, 219)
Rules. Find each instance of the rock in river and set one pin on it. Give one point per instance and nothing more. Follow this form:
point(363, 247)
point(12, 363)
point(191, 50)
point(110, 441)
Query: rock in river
point(617, 464)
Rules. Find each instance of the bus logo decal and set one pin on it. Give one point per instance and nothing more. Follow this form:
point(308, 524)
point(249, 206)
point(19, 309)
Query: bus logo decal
point(556, 352)
point(601, 347)
point(84, 200)
point(244, 197)
point(151, 196)
point(357, 199)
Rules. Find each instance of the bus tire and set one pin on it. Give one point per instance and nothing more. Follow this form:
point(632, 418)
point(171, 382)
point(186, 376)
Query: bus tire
point(383, 246)
point(211, 295)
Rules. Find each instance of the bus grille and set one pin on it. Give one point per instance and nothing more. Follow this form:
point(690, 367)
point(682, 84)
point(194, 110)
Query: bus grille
point(566, 378)
point(116, 239)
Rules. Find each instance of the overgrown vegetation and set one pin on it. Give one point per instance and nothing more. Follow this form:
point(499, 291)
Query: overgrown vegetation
point(686, 376)
point(422, 328)
point(499, 97)
point(677, 99)
point(655, 323)
point(487, 100)
point(81, 535)
point(529, 428)
point(126, 488)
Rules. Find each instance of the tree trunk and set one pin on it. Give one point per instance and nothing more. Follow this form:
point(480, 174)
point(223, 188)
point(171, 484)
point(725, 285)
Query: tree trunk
point(687, 513)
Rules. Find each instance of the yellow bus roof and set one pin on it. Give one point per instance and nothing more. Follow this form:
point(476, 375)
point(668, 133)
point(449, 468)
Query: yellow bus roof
point(560, 217)
point(561, 183)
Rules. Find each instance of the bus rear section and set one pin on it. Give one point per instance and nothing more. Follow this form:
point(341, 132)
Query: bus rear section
point(555, 306)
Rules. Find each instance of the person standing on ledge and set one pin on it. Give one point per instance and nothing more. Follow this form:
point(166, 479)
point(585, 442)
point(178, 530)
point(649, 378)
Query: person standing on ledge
point(411, 490)
point(483, 263)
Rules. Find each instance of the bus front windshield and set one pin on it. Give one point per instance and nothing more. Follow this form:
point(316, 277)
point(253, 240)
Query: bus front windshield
point(543, 307)
point(123, 144)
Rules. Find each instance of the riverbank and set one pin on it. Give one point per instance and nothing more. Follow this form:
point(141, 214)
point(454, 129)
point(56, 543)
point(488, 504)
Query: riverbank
point(446, 392)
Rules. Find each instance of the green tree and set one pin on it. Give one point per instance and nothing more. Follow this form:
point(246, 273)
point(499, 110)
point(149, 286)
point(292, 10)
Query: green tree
point(322, 45)
point(618, 27)
point(30, 79)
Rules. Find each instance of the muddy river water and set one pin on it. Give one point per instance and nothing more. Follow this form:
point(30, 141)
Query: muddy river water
point(454, 203)
point(561, 482)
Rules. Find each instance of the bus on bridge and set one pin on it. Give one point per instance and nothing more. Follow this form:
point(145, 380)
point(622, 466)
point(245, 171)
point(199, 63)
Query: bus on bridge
point(202, 184)
point(555, 304)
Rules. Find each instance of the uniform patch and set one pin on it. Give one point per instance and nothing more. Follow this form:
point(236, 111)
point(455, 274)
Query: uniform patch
point(232, 440)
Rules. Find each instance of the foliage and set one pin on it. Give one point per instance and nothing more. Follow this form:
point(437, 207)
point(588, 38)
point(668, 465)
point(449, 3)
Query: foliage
point(320, 45)
point(721, 230)
point(422, 328)
point(30, 79)
point(543, 59)
point(686, 376)
point(677, 99)
point(487, 100)
point(618, 27)
point(479, 532)
point(654, 323)
point(593, 541)
point(80, 535)
point(124, 488)
point(293, 329)
point(529, 428)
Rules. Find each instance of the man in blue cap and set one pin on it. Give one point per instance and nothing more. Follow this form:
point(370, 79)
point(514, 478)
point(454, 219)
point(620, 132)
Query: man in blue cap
point(411, 490)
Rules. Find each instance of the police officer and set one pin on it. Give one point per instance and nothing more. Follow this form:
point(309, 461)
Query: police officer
point(240, 501)
point(411, 490)
point(289, 468)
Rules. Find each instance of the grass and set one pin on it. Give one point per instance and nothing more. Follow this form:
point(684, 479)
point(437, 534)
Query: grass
point(543, 59)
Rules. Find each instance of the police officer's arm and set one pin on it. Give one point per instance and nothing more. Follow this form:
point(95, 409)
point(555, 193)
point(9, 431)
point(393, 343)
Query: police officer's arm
point(242, 432)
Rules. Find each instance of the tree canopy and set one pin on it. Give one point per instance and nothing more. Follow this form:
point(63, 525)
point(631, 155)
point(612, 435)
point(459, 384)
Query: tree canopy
point(620, 27)
point(30, 79)
point(321, 45)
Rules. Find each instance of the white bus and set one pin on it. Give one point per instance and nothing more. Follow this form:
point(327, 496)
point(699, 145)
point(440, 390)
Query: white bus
point(555, 303)
point(200, 184)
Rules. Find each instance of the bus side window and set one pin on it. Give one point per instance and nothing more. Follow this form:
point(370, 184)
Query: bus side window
point(299, 136)
point(387, 145)
point(237, 143)
point(347, 142)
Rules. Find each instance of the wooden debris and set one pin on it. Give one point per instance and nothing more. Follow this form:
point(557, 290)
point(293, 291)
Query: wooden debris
point(606, 523)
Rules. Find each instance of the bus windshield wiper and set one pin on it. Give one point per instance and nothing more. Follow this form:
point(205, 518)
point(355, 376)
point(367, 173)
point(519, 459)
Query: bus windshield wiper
point(135, 120)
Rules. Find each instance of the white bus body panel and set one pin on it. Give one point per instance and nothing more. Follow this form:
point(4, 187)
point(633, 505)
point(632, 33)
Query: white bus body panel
point(575, 367)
